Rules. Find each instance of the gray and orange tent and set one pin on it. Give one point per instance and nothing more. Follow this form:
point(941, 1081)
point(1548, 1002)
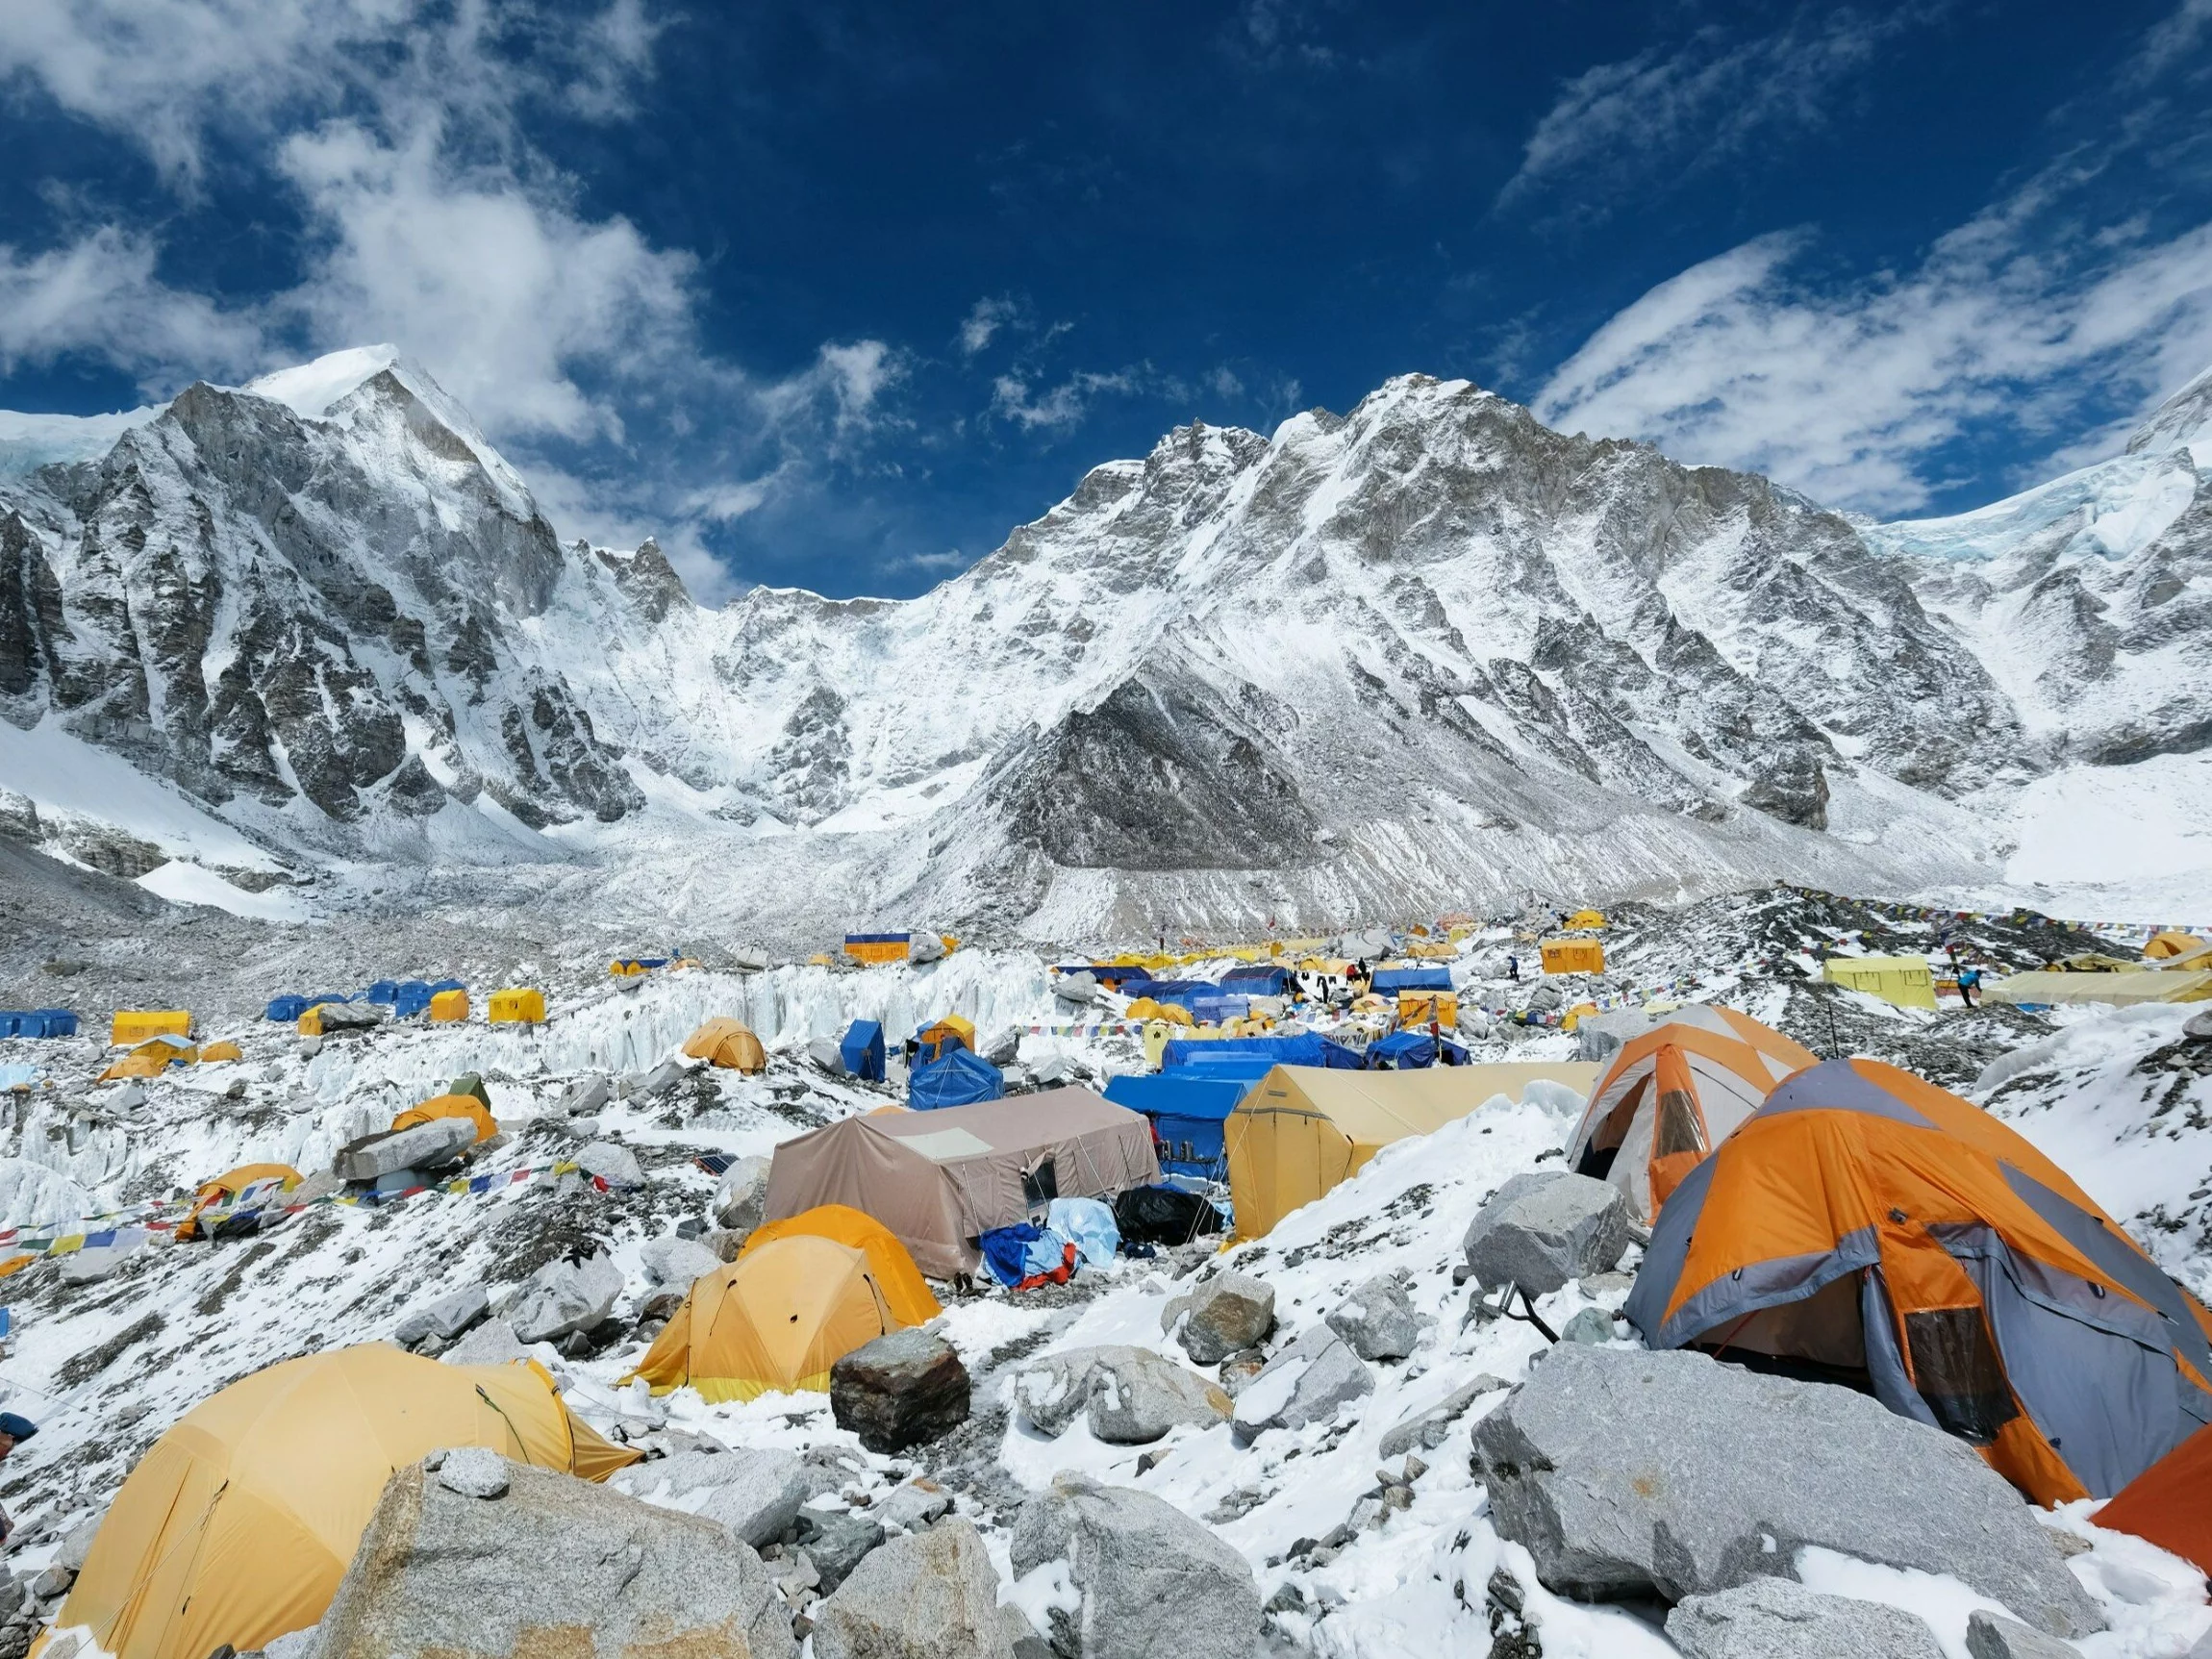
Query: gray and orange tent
point(1675, 1093)
point(1867, 1228)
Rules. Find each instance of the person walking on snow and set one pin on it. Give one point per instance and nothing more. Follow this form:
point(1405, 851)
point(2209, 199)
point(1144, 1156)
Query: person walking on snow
point(1512, 967)
point(1969, 982)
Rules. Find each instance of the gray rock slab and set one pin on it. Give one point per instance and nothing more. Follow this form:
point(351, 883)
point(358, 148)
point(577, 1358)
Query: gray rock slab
point(929, 1596)
point(445, 1318)
point(494, 1342)
point(473, 1472)
point(835, 1542)
point(754, 1492)
point(440, 1572)
point(916, 1504)
point(1426, 1430)
point(1151, 1580)
point(1780, 1619)
point(584, 1097)
point(1592, 1325)
point(617, 1166)
point(1543, 1228)
point(423, 1147)
point(1228, 1311)
point(1129, 1396)
point(1990, 1637)
point(564, 1296)
point(741, 1197)
point(675, 1262)
point(1378, 1319)
point(1626, 1473)
point(904, 1389)
point(1309, 1381)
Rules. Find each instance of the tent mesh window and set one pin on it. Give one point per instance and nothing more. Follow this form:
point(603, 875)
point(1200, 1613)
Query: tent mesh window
point(1675, 1129)
point(1957, 1371)
point(1041, 1185)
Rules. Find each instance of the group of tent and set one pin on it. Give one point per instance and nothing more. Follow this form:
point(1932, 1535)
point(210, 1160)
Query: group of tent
point(39, 1022)
point(440, 999)
point(2175, 967)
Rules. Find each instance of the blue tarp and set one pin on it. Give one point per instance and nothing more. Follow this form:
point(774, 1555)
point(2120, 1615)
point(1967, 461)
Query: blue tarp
point(1089, 1226)
point(39, 1022)
point(408, 998)
point(288, 1008)
point(1403, 1051)
point(1021, 1252)
point(1112, 975)
point(383, 991)
point(1246, 1068)
point(1258, 981)
point(1388, 981)
point(961, 1078)
point(1293, 1048)
point(1186, 1110)
point(861, 1048)
point(879, 939)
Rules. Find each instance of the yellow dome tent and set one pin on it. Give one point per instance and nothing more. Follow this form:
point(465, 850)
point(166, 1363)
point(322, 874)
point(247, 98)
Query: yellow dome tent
point(229, 1186)
point(905, 1291)
point(450, 1106)
point(2170, 943)
point(223, 1050)
point(238, 1524)
point(151, 1059)
point(776, 1318)
point(1145, 1008)
point(1587, 919)
point(942, 1036)
point(729, 1043)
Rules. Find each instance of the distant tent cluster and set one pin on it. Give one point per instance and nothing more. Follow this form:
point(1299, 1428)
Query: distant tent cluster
point(441, 999)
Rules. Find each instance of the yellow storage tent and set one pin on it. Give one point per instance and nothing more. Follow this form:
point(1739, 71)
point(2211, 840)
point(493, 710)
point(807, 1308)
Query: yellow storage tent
point(776, 1318)
point(238, 1524)
point(450, 1106)
point(1904, 980)
point(151, 1059)
point(516, 1006)
point(1572, 955)
point(449, 1005)
point(2161, 946)
point(137, 1024)
point(729, 1043)
point(224, 1050)
point(1306, 1128)
point(2121, 989)
point(905, 1291)
point(1587, 919)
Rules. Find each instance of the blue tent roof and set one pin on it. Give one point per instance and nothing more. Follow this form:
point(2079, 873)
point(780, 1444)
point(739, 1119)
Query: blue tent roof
point(439, 984)
point(959, 1077)
point(861, 1048)
point(878, 938)
point(1404, 1050)
point(287, 1008)
point(1295, 1049)
point(1256, 981)
point(1251, 1066)
point(39, 1022)
point(409, 997)
point(1186, 1112)
point(1390, 979)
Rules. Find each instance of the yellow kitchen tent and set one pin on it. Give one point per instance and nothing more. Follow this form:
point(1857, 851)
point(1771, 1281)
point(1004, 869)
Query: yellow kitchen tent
point(1904, 980)
point(1306, 1128)
point(137, 1024)
point(1572, 955)
point(516, 1006)
point(238, 1524)
point(448, 1006)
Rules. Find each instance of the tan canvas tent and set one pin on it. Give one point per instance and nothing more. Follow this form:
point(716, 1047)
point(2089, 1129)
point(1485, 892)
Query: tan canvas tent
point(939, 1179)
point(2121, 989)
point(1306, 1128)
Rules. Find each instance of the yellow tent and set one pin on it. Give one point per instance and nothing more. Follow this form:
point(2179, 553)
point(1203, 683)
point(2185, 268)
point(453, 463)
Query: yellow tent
point(1416, 1008)
point(516, 1006)
point(1306, 1128)
point(1587, 919)
point(1145, 1008)
point(1904, 980)
point(238, 1524)
point(729, 1043)
point(135, 1025)
point(229, 1186)
point(905, 1291)
point(2161, 946)
point(776, 1318)
point(224, 1050)
point(151, 1059)
point(2121, 989)
point(1572, 955)
point(450, 1106)
point(947, 1034)
point(449, 1005)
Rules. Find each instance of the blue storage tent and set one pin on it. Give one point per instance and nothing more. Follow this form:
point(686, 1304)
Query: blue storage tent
point(1388, 981)
point(39, 1022)
point(409, 997)
point(383, 991)
point(1115, 976)
point(961, 1077)
point(437, 985)
point(1249, 1068)
point(288, 1008)
point(1187, 1112)
point(1403, 1051)
point(861, 1048)
point(1293, 1048)
point(1258, 981)
point(319, 1000)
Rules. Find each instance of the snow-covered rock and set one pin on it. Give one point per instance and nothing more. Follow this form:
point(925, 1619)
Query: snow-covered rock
point(1780, 1619)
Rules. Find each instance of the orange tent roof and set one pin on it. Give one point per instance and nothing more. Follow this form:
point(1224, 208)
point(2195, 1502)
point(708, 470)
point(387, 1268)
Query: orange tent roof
point(450, 1106)
point(904, 1289)
point(2170, 1504)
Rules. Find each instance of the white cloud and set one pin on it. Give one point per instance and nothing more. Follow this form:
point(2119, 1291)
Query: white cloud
point(101, 292)
point(1058, 407)
point(988, 317)
point(1664, 116)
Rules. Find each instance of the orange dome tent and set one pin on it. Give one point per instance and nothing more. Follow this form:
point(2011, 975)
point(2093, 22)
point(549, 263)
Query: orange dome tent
point(776, 1318)
point(450, 1106)
point(729, 1043)
point(238, 1524)
point(1673, 1094)
point(1868, 1226)
point(150, 1058)
point(905, 1291)
point(2170, 943)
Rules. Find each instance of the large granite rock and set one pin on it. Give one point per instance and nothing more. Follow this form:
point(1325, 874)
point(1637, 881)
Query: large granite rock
point(1780, 1619)
point(614, 1164)
point(676, 1261)
point(1309, 1381)
point(564, 1296)
point(1130, 1395)
point(754, 1492)
point(1228, 1313)
point(554, 1565)
point(445, 1318)
point(1630, 1473)
point(929, 1595)
point(1149, 1580)
point(423, 1147)
point(741, 1197)
point(1378, 1319)
point(1990, 1637)
point(904, 1389)
point(1542, 1229)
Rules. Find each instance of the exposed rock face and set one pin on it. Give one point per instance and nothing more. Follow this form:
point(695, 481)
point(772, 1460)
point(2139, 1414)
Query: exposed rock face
point(1632, 1474)
point(549, 1559)
point(755, 1492)
point(1229, 1312)
point(1129, 1396)
point(904, 1389)
point(1309, 1381)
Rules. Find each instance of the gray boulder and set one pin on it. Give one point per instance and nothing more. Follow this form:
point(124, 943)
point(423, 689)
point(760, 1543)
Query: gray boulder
point(1594, 1326)
point(438, 1573)
point(740, 1198)
point(1633, 1473)
point(754, 1492)
point(445, 1318)
point(564, 1296)
point(916, 1504)
point(827, 1054)
point(904, 1389)
point(1308, 1382)
point(1599, 1037)
point(617, 1166)
point(423, 1147)
point(1228, 1311)
point(1151, 1580)
point(1130, 1395)
point(1990, 1637)
point(1547, 1227)
point(929, 1595)
point(835, 1541)
point(1378, 1319)
point(583, 1097)
point(494, 1342)
point(675, 1262)
point(350, 1018)
point(1426, 1430)
point(646, 1085)
point(77, 1544)
point(1780, 1619)
point(471, 1470)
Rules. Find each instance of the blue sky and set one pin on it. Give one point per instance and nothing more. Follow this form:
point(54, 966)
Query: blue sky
point(835, 295)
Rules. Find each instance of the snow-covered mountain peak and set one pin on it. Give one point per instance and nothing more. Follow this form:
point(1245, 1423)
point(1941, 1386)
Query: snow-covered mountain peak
point(311, 389)
point(2184, 419)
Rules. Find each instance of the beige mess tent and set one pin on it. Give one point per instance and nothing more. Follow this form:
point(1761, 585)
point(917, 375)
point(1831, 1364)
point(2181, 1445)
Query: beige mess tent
point(238, 1524)
point(1306, 1128)
point(2121, 989)
point(939, 1179)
